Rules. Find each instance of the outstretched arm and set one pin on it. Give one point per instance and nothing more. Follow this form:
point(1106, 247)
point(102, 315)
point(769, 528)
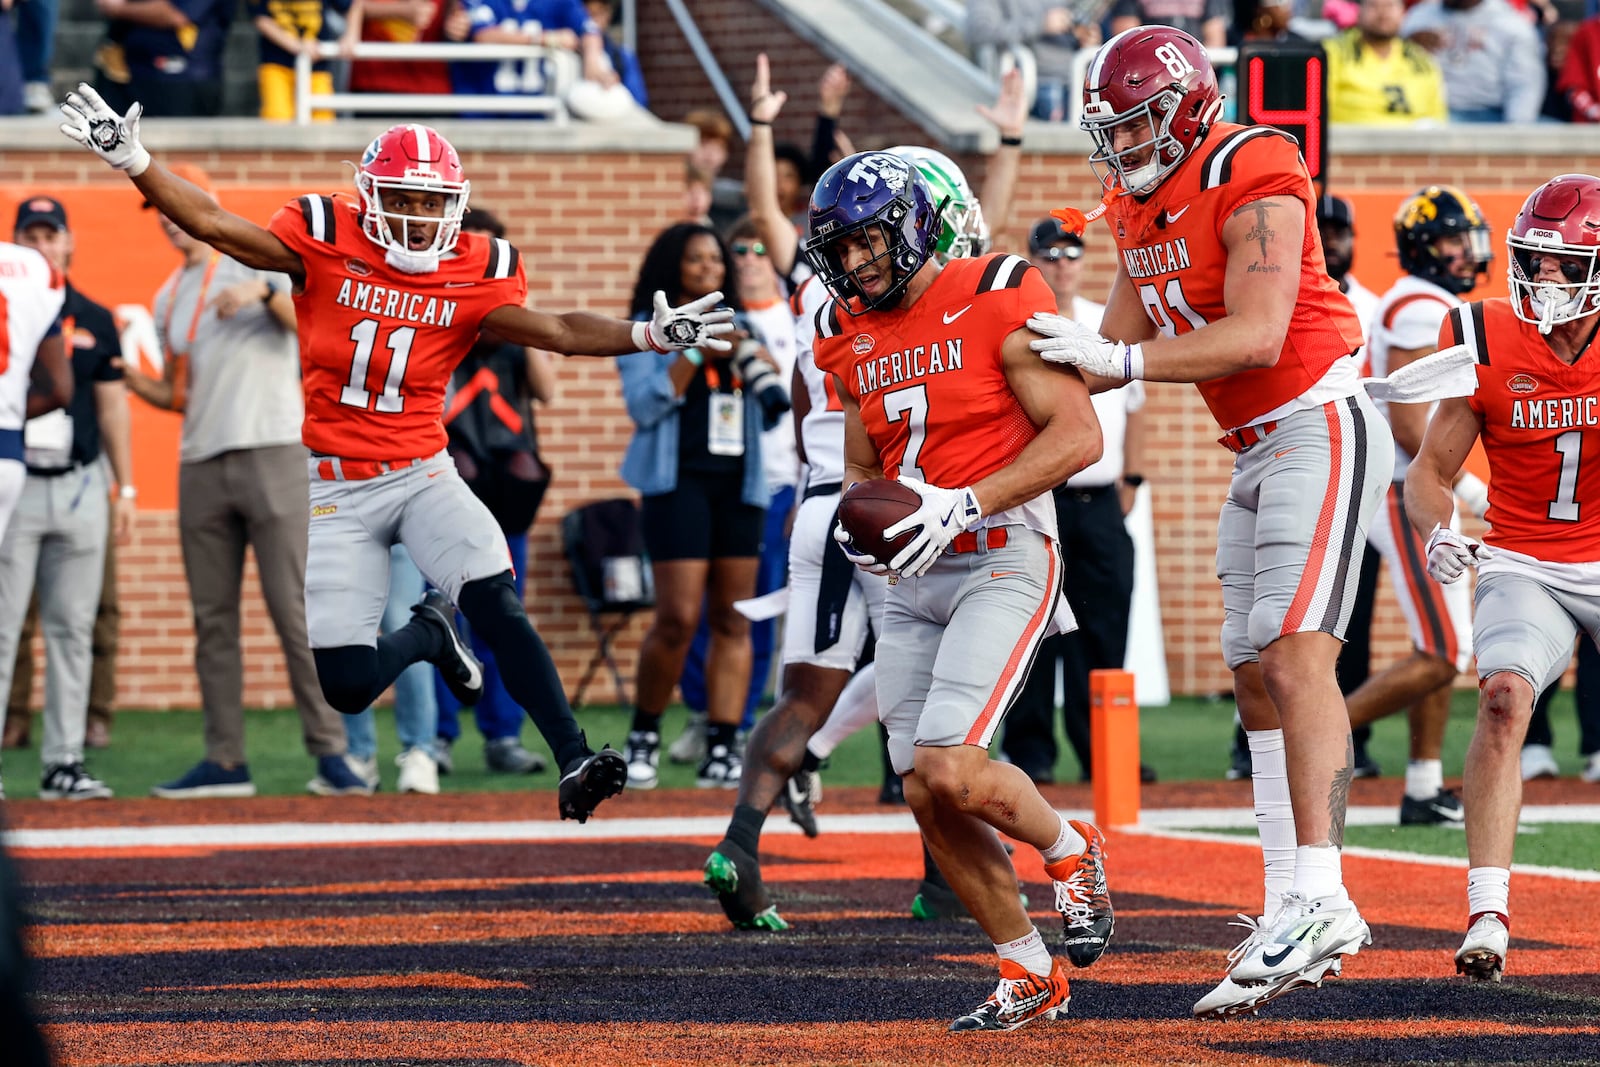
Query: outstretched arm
point(761, 172)
point(697, 324)
point(1009, 115)
point(115, 139)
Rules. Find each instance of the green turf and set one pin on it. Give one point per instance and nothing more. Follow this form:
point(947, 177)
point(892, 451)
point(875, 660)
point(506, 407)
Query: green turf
point(1186, 741)
point(1571, 845)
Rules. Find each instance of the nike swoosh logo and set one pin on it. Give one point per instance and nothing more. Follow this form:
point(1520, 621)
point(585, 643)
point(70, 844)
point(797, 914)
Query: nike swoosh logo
point(1272, 959)
point(468, 285)
point(434, 474)
point(949, 318)
point(1283, 452)
point(1174, 216)
point(1002, 574)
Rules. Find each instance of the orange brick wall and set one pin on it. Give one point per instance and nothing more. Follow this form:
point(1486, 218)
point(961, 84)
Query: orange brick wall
point(582, 222)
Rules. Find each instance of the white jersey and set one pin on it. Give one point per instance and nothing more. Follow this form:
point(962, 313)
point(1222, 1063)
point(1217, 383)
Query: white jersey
point(773, 325)
point(822, 429)
point(31, 295)
point(1364, 300)
point(1407, 317)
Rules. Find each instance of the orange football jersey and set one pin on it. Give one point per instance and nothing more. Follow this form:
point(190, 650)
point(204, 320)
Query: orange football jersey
point(378, 345)
point(929, 378)
point(1541, 433)
point(1171, 247)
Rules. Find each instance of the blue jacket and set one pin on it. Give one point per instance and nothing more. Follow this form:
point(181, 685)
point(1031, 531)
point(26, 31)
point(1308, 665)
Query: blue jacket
point(650, 464)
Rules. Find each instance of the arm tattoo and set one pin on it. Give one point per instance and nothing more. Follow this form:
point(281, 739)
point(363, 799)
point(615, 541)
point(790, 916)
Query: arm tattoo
point(1262, 232)
point(1339, 796)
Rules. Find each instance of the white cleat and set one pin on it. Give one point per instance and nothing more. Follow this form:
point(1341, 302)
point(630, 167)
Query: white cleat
point(1305, 935)
point(1482, 956)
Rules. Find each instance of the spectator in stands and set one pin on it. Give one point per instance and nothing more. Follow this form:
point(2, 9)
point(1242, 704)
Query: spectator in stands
point(1096, 549)
point(287, 28)
point(56, 543)
point(625, 63)
point(416, 712)
point(772, 323)
point(403, 22)
point(1491, 57)
point(1538, 748)
point(1267, 21)
point(231, 365)
point(494, 442)
point(11, 86)
point(829, 144)
point(1378, 78)
point(562, 26)
point(1207, 21)
point(36, 41)
point(1580, 72)
point(794, 180)
point(695, 457)
point(164, 54)
point(1049, 30)
point(710, 152)
point(697, 194)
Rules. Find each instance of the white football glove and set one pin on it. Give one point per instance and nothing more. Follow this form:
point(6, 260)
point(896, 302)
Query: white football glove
point(696, 324)
point(1450, 554)
point(1069, 341)
point(1471, 491)
point(867, 563)
point(113, 138)
point(943, 514)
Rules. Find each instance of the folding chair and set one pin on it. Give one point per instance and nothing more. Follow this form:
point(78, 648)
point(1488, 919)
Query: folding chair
point(611, 573)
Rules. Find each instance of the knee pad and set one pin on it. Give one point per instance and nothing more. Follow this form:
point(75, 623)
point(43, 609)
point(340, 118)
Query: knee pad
point(492, 606)
point(347, 675)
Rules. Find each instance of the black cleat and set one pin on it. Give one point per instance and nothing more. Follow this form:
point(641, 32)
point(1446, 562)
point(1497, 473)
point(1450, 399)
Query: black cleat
point(591, 780)
point(800, 797)
point(460, 669)
point(735, 877)
point(1365, 766)
point(1442, 809)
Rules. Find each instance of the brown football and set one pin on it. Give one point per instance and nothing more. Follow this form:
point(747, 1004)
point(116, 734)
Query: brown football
point(867, 508)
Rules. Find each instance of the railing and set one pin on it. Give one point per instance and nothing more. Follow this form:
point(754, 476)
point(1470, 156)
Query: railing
point(564, 69)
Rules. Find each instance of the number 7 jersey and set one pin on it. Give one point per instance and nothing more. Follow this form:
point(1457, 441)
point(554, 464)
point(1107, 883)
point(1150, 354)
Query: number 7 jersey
point(377, 345)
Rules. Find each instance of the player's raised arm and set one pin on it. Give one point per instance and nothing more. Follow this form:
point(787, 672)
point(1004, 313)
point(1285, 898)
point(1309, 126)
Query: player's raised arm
point(115, 139)
point(697, 324)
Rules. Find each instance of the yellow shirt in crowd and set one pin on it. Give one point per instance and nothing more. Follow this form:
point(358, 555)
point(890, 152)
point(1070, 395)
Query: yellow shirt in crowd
point(1397, 89)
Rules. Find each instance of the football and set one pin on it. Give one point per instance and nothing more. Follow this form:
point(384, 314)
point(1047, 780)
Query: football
point(867, 508)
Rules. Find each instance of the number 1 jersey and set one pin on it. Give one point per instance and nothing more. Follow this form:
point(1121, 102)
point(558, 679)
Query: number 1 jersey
point(378, 345)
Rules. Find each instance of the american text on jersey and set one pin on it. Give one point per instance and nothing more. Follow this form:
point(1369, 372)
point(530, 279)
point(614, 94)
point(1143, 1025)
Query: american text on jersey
point(396, 303)
point(909, 363)
point(1163, 257)
point(1556, 413)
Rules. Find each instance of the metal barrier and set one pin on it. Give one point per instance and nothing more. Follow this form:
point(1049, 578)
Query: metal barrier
point(564, 67)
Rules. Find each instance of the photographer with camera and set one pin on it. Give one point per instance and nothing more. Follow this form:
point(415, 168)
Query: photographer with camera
point(695, 457)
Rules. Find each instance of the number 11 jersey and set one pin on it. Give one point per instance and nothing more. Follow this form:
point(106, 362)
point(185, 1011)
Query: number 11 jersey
point(378, 345)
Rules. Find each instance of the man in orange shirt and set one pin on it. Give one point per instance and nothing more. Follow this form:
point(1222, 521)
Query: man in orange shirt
point(939, 389)
point(1537, 413)
point(1221, 281)
point(389, 296)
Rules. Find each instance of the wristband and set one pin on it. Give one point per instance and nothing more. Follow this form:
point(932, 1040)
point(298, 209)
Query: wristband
point(642, 340)
point(1011, 142)
point(760, 122)
point(139, 163)
point(1133, 361)
point(692, 355)
point(127, 492)
point(1133, 481)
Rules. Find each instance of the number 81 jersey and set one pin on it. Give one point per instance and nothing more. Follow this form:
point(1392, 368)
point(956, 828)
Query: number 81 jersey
point(378, 345)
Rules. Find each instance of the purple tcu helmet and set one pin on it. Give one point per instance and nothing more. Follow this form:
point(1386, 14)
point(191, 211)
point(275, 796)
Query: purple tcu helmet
point(881, 197)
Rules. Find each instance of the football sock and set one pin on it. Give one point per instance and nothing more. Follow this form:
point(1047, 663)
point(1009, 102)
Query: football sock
point(1028, 950)
point(1424, 778)
point(725, 734)
point(1318, 871)
point(494, 611)
point(1269, 781)
point(1488, 889)
point(645, 722)
point(856, 707)
point(745, 828)
point(1068, 843)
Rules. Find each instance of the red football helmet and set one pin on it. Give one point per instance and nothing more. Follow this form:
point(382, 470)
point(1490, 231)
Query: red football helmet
point(1560, 220)
point(1158, 81)
point(412, 158)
